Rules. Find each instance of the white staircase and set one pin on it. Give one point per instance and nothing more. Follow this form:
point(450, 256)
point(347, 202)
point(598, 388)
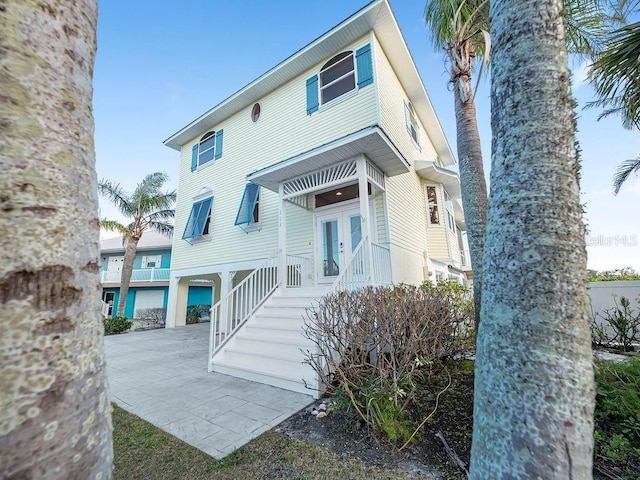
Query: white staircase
point(266, 348)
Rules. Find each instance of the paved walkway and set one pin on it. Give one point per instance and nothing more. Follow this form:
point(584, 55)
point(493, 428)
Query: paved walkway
point(161, 376)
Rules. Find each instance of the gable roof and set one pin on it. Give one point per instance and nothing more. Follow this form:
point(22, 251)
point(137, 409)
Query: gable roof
point(376, 16)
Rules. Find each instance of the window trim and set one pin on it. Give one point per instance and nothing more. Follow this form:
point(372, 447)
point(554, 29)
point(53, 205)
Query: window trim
point(203, 234)
point(451, 219)
point(210, 135)
point(412, 124)
point(157, 261)
point(253, 223)
point(435, 204)
point(353, 72)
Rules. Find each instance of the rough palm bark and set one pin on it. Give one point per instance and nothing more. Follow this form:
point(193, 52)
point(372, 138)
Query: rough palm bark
point(54, 410)
point(472, 182)
point(534, 397)
point(127, 269)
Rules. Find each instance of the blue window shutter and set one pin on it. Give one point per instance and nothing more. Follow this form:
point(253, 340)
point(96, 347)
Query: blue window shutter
point(312, 94)
point(197, 218)
point(194, 157)
point(218, 144)
point(364, 65)
point(248, 204)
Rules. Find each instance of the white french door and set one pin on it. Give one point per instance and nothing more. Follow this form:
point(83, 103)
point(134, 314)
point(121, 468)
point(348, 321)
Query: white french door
point(338, 234)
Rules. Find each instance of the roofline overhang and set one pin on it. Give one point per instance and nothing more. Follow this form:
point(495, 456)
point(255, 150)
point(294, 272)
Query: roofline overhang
point(376, 16)
point(280, 171)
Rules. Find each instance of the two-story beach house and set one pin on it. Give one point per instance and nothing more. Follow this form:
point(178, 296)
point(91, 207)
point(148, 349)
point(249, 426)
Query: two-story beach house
point(149, 284)
point(328, 172)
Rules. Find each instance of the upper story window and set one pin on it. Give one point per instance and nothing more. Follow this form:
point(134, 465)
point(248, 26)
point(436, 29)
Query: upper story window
point(208, 148)
point(432, 206)
point(337, 77)
point(448, 206)
point(340, 75)
point(199, 222)
point(412, 122)
point(248, 217)
point(151, 261)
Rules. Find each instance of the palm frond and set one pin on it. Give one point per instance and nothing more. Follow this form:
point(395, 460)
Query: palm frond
point(625, 169)
point(615, 74)
point(161, 227)
point(117, 196)
point(114, 226)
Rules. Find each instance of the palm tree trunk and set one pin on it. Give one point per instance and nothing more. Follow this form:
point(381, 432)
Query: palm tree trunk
point(534, 397)
point(54, 409)
point(472, 181)
point(127, 269)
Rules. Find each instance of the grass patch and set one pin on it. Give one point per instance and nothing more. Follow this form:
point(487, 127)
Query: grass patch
point(143, 451)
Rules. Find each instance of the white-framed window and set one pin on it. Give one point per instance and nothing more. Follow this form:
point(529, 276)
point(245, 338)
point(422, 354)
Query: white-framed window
point(433, 212)
point(199, 222)
point(448, 207)
point(337, 77)
point(151, 261)
point(208, 148)
point(248, 216)
point(412, 123)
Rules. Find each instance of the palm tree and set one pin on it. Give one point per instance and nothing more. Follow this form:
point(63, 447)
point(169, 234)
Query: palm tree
point(625, 169)
point(534, 390)
point(460, 28)
point(55, 419)
point(615, 75)
point(148, 208)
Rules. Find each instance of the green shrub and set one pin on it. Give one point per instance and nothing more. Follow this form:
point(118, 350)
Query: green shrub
point(195, 313)
point(617, 417)
point(619, 327)
point(116, 325)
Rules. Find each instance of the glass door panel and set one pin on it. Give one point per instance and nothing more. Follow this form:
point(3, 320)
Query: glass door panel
point(330, 248)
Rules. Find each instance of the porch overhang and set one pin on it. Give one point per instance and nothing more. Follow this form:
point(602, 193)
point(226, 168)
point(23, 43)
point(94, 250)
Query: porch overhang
point(371, 142)
point(451, 182)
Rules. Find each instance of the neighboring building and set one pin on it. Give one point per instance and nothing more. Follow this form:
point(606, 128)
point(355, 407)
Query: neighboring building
point(150, 277)
point(331, 167)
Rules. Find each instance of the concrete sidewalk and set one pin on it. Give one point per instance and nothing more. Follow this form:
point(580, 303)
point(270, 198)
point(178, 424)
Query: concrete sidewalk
point(161, 376)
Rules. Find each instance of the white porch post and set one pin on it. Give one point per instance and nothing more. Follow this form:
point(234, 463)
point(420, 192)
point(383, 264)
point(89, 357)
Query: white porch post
point(361, 164)
point(226, 285)
point(172, 300)
point(282, 237)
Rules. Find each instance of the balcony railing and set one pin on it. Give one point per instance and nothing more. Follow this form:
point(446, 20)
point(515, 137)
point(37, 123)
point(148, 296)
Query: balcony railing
point(137, 275)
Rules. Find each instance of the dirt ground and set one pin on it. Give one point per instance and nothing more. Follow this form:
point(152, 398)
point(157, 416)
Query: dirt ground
point(345, 433)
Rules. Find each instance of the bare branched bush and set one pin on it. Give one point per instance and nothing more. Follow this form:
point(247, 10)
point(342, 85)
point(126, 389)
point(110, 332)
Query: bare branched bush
point(372, 345)
point(151, 317)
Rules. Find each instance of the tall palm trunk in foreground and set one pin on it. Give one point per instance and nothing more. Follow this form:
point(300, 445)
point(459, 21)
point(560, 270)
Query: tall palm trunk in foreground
point(534, 400)
point(54, 410)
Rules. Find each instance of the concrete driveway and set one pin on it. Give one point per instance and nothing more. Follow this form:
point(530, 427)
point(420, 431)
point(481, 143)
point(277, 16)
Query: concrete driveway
point(161, 376)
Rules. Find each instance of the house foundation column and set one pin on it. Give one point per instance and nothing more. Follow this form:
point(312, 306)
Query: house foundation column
point(177, 302)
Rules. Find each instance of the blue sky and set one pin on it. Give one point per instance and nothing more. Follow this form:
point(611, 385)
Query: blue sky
point(162, 63)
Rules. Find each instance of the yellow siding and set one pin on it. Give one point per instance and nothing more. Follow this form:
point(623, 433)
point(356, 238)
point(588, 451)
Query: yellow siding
point(392, 113)
point(283, 131)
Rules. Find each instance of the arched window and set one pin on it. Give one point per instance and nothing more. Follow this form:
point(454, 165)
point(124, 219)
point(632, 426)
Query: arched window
point(206, 147)
point(337, 77)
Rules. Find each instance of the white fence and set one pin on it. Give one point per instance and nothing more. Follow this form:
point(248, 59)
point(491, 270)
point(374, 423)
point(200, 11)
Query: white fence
point(602, 294)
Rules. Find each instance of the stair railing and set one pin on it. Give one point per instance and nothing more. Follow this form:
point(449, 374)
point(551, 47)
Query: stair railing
point(232, 311)
point(356, 273)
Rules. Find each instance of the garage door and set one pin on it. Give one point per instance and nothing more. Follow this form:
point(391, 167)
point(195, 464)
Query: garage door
point(148, 299)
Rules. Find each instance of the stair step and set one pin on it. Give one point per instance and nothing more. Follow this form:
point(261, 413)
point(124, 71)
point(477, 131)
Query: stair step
point(259, 345)
point(294, 385)
point(282, 311)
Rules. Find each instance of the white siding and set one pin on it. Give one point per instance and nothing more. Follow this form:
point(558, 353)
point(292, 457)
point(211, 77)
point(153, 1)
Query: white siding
point(283, 130)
